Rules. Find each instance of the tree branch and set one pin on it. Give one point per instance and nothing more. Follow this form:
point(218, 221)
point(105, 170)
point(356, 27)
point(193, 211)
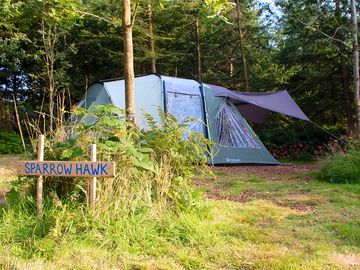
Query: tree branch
point(84, 13)
point(134, 15)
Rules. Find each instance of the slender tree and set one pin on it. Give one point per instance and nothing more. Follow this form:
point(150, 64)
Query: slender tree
point(127, 26)
point(198, 48)
point(344, 70)
point(56, 21)
point(151, 38)
point(355, 64)
point(242, 46)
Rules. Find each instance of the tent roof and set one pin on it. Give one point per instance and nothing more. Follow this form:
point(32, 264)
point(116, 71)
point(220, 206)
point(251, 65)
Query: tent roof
point(257, 106)
point(254, 106)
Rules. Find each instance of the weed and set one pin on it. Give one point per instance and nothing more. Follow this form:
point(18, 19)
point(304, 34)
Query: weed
point(342, 168)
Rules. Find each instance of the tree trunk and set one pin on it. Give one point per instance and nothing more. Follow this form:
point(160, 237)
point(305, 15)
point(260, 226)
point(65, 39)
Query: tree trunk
point(51, 108)
point(242, 47)
point(14, 82)
point(198, 49)
point(49, 38)
point(355, 65)
point(128, 62)
point(151, 38)
point(344, 72)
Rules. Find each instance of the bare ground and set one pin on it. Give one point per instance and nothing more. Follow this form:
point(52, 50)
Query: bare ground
point(7, 166)
point(288, 171)
point(7, 173)
point(283, 172)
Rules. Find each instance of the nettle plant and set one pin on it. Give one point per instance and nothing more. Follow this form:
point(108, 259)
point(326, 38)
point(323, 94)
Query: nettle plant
point(153, 167)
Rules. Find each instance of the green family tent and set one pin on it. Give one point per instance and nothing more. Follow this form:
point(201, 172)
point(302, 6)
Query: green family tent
point(223, 113)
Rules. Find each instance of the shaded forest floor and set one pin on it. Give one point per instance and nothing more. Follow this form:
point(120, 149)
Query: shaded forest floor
point(260, 217)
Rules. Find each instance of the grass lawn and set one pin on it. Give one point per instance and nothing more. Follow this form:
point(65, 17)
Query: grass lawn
point(252, 218)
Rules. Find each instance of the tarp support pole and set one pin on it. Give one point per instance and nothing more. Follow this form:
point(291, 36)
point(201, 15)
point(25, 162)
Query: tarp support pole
point(164, 97)
point(206, 120)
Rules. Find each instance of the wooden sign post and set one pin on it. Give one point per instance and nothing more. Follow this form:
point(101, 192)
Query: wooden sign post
point(39, 181)
point(40, 168)
point(92, 191)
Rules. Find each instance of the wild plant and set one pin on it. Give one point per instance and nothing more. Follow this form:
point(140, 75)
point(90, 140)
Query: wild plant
point(154, 167)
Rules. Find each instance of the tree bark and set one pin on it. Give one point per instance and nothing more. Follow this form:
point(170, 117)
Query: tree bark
point(49, 38)
point(15, 88)
point(242, 47)
point(128, 62)
point(151, 38)
point(355, 64)
point(344, 72)
point(198, 48)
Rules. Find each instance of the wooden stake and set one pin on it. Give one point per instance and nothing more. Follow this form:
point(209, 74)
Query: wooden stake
point(92, 192)
point(39, 182)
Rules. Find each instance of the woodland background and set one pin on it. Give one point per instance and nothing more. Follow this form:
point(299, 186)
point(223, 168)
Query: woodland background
point(52, 50)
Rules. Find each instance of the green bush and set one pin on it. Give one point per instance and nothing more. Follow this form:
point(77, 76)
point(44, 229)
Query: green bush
point(342, 168)
point(10, 143)
point(153, 168)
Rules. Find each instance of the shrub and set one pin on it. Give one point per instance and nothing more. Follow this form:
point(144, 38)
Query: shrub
point(10, 143)
point(343, 167)
point(149, 203)
point(153, 168)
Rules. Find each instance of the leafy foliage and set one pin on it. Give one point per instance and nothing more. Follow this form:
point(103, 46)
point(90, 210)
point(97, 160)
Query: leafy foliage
point(293, 45)
point(153, 167)
point(10, 143)
point(151, 187)
point(342, 168)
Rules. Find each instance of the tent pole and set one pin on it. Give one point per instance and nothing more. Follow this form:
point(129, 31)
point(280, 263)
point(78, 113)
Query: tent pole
point(164, 97)
point(206, 120)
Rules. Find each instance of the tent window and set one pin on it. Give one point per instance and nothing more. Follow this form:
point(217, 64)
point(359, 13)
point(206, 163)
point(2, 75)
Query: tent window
point(185, 105)
point(232, 130)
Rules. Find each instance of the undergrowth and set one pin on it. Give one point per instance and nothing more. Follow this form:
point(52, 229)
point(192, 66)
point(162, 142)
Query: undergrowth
point(140, 230)
point(10, 143)
point(342, 167)
point(151, 188)
point(153, 167)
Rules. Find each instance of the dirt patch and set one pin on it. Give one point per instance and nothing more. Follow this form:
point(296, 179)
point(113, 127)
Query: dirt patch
point(292, 172)
point(248, 195)
point(8, 167)
point(7, 173)
point(8, 162)
point(352, 261)
point(287, 172)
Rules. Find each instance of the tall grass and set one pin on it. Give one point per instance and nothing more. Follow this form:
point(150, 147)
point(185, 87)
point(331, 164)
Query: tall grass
point(342, 167)
point(149, 201)
point(153, 167)
point(124, 230)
